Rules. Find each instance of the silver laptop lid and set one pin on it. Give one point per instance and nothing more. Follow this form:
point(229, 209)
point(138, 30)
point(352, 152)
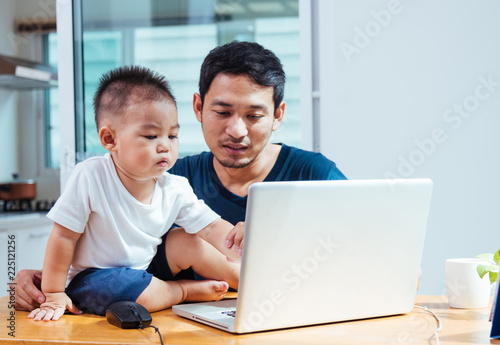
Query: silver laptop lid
point(325, 251)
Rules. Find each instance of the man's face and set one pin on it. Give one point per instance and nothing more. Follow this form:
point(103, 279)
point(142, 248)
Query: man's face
point(237, 119)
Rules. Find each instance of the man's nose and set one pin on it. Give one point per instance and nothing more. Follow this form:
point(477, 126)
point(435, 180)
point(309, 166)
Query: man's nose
point(236, 127)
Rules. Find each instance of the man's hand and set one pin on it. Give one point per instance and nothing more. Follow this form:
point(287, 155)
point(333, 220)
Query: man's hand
point(234, 239)
point(27, 289)
point(54, 307)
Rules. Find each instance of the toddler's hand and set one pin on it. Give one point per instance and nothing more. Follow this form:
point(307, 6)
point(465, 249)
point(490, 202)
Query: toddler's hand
point(54, 307)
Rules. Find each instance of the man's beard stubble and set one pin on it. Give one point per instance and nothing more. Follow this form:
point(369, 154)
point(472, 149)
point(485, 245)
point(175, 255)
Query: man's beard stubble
point(234, 164)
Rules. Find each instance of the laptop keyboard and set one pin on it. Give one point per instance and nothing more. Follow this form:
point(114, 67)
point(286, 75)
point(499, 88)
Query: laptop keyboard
point(231, 313)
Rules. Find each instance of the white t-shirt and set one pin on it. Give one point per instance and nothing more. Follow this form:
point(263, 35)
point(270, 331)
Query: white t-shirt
point(117, 230)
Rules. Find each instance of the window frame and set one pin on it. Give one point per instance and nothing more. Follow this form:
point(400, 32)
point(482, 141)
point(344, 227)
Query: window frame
point(67, 31)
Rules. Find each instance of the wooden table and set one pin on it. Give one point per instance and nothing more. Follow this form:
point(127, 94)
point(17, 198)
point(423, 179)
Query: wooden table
point(460, 326)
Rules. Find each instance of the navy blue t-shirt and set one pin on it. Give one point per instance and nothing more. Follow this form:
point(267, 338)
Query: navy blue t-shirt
point(293, 164)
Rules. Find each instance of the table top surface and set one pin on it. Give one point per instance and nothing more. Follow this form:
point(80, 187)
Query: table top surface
point(459, 326)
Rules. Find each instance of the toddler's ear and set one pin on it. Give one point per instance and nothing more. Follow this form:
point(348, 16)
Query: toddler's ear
point(107, 138)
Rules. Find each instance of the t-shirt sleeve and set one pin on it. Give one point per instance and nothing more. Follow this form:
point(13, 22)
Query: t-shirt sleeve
point(72, 209)
point(314, 166)
point(194, 214)
point(333, 173)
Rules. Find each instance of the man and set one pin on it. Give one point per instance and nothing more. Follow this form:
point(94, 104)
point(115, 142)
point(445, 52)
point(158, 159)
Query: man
point(239, 105)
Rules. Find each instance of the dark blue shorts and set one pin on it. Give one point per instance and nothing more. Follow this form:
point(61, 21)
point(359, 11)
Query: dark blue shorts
point(94, 289)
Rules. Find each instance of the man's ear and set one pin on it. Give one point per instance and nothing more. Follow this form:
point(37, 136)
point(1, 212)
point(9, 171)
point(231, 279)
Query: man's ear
point(278, 115)
point(197, 106)
point(107, 138)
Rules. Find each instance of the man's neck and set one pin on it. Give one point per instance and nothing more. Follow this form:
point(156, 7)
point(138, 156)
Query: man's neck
point(238, 180)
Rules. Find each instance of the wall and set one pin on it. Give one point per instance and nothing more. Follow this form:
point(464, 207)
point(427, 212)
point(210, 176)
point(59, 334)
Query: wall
point(412, 89)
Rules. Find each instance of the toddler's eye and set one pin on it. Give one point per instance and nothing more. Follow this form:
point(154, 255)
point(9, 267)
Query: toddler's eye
point(150, 137)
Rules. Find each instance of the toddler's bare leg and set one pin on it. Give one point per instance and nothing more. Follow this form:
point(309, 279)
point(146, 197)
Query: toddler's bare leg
point(187, 250)
point(163, 294)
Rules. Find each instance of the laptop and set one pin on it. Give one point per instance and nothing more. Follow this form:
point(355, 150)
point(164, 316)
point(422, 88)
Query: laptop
point(319, 252)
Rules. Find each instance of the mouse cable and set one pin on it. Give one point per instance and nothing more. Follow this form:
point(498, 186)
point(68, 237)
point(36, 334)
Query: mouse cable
point(439, 326)
point(156, 330)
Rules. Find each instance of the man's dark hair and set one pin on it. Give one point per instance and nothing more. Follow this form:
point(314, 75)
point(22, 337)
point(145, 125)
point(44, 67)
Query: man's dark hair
point(124, 85)
point(240, 58)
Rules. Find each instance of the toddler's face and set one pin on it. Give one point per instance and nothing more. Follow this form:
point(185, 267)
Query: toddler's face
point(147, 139)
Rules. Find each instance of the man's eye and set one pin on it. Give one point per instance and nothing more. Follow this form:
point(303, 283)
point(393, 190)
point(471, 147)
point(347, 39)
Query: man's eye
point(255, 117)
point(222, 113)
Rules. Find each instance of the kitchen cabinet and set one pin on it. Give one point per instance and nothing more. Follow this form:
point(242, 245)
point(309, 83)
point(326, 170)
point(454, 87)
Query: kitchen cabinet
point(23, 239)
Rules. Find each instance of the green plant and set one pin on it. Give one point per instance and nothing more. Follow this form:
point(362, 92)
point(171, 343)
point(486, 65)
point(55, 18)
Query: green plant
point(492, 268)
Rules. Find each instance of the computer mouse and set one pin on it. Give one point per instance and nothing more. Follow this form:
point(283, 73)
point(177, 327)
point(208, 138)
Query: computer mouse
point(128, 315)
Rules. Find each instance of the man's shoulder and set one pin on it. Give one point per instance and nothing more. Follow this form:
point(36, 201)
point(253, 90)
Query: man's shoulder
point(190, 165)
point(300, 164)
point(298, 155)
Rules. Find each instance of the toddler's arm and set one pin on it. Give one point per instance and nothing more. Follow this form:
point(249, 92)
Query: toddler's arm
point(58, 257)
point(226, 238)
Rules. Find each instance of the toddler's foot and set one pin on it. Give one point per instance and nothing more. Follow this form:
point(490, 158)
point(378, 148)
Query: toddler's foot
point(203, 290)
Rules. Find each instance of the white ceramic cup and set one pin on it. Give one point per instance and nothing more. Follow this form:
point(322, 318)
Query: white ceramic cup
point(464, 287)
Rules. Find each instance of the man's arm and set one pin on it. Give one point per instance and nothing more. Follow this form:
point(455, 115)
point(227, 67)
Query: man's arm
point(226, 238)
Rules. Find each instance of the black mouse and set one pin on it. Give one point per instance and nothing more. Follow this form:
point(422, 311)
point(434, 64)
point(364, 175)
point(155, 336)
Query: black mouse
point(128, 315)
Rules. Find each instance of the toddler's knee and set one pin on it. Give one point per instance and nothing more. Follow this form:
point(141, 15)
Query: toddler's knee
point(193, 244)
